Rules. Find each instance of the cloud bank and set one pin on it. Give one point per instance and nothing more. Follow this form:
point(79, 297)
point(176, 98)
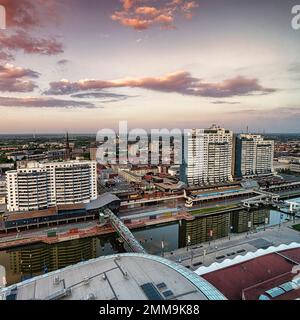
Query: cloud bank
point(30, 102)
point(179, 82)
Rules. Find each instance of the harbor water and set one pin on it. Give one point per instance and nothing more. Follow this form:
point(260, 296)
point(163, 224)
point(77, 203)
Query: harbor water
point(25, 262)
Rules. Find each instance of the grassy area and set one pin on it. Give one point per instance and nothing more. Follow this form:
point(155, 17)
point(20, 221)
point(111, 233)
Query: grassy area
point(212, 210)
point(296, 227)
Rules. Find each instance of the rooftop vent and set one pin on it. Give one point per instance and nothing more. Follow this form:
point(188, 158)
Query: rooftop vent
point(91, 296)
point(161, 286)
point(168, 294)
point(275, 292)
point(263, 297)
point(56, 280)
point(86, 281)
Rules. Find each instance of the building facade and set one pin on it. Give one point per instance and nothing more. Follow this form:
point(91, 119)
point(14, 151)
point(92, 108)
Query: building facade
point(295, 167)
point(207, 156)
point(42, 185)
point(2, 190)
point(254, 155)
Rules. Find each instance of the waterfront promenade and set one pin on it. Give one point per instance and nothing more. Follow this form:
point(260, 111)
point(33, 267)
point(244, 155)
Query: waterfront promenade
point(239, 244)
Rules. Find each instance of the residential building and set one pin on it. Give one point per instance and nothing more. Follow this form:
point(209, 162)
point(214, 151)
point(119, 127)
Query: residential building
point(38, 186)
point(207, 156)
point(254, 155)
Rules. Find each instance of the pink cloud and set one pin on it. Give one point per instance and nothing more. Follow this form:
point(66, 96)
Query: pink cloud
point(143, 14)
point(27, 14)
point(23, 16)
point(16, 79)
point(127, 4)
point(137, 24)
point(23, 41)
point(179, 82)
point(149, 11)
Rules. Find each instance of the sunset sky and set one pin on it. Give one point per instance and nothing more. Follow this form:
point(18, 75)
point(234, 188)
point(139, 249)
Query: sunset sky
point(83, 65)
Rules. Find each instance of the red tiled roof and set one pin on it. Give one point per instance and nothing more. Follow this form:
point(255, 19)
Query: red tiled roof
point(231, 281)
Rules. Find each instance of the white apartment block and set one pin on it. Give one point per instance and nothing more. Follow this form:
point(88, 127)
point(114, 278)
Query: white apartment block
point(207, 156)
point(254, 155)
point(39, 186)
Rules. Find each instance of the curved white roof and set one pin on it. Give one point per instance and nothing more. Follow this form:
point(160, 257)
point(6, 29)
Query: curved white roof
point(249, 256)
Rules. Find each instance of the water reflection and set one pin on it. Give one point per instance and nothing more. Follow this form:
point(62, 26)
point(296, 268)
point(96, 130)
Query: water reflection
point(155, 239)
point(29, 261)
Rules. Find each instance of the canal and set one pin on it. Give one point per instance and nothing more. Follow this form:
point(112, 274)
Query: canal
point(26, 262)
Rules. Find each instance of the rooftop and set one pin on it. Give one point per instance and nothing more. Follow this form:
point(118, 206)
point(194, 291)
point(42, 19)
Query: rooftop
point(118, 277)
point(258, 274)
point(102, 200)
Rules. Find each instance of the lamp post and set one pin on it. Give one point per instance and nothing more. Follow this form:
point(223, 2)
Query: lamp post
point(230, 230)
point(249, 227)
point(211, 233)
point(266, 222)
point(216, 250)
point(162, 248)
point(188, 242)
point(30, 265)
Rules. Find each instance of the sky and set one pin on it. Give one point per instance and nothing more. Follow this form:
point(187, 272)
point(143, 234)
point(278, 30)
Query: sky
point(84, 65)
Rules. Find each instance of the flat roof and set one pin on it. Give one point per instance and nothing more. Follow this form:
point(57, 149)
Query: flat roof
point(32, 214)
point(127, 276)
point(219, 192)
point(197, 190)
point(150, 213)
point(100, 202)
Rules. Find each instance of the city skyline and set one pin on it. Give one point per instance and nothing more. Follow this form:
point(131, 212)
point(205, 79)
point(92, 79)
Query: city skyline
point(69, 66)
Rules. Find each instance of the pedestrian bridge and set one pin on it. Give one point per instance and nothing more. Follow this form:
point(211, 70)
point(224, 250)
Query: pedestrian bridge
point(272, 199)
point(293, 206)
point(263, 197)
point(124, 232)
